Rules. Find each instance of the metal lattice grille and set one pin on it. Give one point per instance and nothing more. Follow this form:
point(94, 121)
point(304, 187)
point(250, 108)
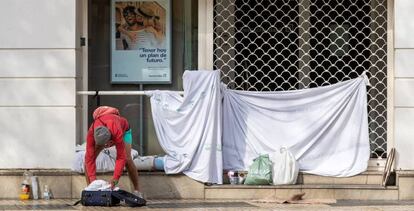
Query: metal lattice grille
point(293, 44)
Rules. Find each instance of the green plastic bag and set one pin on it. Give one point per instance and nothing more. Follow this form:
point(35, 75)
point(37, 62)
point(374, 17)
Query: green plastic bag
point(260, 172)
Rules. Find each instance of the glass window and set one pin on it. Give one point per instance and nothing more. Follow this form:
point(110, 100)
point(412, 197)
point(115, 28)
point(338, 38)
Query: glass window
point(136, 109)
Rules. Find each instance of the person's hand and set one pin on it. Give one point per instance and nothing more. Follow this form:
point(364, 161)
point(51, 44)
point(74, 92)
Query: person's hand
point(113, 183)
point(151, 29)
point(132, 36)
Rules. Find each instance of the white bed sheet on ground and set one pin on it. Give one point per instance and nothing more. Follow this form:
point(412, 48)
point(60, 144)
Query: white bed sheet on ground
point(189, 127)
point(326, 128)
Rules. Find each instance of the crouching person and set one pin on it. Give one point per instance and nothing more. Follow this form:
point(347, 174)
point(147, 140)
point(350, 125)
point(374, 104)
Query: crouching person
point(110, 129)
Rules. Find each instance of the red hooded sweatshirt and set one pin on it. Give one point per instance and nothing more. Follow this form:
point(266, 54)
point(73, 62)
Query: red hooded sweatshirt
point(117, 125)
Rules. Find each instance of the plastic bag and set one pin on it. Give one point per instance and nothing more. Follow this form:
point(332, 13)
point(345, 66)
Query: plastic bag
point(285, 167)
point(98, 185)
point(260, 172)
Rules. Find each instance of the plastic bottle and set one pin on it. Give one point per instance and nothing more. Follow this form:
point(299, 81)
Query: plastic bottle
point(35, 188)
point(233, 177)
point(25, 189)
point(46, 193)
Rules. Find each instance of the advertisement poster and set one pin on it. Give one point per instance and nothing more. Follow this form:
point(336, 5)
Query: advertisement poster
point(140, 41)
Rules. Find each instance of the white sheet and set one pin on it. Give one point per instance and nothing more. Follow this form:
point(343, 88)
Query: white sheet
point(189, 128)
point(325, 128)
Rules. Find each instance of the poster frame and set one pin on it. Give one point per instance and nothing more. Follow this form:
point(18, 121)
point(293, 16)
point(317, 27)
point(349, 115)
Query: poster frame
point(168, 35)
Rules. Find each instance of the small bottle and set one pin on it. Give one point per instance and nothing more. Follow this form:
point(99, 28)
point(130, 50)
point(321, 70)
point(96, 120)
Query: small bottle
point(25, 189)
point(35, 188)
point(46, 193)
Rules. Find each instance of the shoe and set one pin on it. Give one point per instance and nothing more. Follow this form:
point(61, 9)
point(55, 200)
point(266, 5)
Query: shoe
point(139, 194)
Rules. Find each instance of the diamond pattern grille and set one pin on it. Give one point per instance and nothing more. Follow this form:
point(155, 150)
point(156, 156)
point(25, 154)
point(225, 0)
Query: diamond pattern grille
point(268, 45)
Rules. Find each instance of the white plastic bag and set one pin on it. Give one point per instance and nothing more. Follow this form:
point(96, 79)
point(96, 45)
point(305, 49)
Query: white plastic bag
point(98, 185)
point(285, 167)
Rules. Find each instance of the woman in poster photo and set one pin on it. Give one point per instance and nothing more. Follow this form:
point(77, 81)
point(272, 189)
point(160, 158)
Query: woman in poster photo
point(157, 29)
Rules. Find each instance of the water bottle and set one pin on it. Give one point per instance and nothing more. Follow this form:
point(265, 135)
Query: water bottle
point(46, 193)
point(35, 187)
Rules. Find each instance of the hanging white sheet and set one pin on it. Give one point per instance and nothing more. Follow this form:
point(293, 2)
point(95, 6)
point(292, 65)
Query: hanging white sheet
point(189, 128)
point(325, 128)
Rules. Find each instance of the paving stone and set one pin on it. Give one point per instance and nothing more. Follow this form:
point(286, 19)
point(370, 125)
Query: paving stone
point(236, 205)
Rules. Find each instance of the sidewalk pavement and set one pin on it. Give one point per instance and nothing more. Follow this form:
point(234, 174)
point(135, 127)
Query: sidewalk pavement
point(239, 205)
